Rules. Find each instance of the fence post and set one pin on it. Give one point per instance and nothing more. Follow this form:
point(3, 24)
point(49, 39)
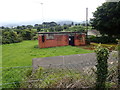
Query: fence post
point(118, 63)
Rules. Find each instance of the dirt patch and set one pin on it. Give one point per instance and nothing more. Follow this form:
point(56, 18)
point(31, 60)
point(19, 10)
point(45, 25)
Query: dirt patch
point(88, 47)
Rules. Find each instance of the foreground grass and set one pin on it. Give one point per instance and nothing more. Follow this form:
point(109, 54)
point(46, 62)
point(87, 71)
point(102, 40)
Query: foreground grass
point(52, 78)
point(21, 54)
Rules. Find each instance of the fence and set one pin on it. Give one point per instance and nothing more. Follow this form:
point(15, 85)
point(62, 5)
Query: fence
point(23, 77)
point(80, 75)
point(54, 76)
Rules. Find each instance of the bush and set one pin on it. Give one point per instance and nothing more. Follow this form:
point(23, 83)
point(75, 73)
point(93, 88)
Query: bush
point(14, 36)
point(27, 34)
point(10, 36)
point(103, 39)
point(35, 37)
point(102, 65)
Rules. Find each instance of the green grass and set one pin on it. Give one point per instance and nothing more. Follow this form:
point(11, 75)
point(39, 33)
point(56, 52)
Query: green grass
point(21, 54)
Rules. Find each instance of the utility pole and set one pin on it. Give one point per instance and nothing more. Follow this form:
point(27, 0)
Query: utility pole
point(42, 15)
point(86, 20)
point(86, 25)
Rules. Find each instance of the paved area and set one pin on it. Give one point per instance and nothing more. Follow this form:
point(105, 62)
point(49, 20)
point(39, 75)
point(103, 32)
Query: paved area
point(82, 60)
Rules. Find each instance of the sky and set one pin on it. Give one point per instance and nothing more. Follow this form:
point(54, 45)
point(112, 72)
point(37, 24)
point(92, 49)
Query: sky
point(28, 11)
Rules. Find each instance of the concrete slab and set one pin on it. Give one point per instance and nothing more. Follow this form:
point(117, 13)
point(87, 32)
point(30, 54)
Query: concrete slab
point(82, 60)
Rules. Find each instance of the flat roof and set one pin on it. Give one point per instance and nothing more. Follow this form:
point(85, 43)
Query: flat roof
point(58, 32)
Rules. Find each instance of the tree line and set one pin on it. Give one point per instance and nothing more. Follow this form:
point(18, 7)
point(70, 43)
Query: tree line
point(29, 32)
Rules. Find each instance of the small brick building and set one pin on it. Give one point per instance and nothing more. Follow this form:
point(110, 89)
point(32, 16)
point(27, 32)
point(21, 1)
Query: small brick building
point(53, 39)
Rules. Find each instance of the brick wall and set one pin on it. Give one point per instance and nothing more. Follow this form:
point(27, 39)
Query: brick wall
point(60, 40)
point(79, 39)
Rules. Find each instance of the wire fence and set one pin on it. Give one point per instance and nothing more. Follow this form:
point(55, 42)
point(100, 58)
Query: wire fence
point(78, 75)
point(11, 76)
point(55, 76)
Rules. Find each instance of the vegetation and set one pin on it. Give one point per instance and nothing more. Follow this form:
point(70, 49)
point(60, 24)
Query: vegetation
point(57, 78)
point(10, 36)
point(108, 46)
point(102, 66)
point(118, 64)
point(21, 54)
point(29, 32)
point(51, 78)
point(106, 19)
point(103, 39)
point(15, 36)
point(46, 78)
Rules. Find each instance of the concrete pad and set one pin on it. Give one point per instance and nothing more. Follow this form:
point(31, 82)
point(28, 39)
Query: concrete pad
point(77, 60)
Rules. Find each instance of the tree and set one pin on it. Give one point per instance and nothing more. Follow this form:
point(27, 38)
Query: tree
point(38, 29)
point(107, 18)
point(29, 26)
point(27, 34)
point(76, 29)
point(72, 23)
point(58, 28)
point(10, 36)
point(65, 27)
point(19, 27)
point(2, 27)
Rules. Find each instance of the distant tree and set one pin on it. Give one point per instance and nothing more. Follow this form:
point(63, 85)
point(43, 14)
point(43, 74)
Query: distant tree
point(38, 29)
point(29, 26)
point(72, 23)
point(77, 28)
point(53, 23)
point(52, 29)
point(2, 27)
point(36, 25)
point(107, 18)
point(24, 27)
point(65, 26)
point(19, 27)
point(58, 28)
point(83, 24)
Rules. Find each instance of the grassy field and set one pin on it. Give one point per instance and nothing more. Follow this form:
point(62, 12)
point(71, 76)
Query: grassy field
point(21, 54)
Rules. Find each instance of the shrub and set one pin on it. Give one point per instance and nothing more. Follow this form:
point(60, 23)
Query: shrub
point(35, 37)
point(102, 65)
point(10, 36)
point(103, 39)
point(27, 34)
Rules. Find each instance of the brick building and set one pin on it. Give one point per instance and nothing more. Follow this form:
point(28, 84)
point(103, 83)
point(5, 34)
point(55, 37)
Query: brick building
point(53, 39)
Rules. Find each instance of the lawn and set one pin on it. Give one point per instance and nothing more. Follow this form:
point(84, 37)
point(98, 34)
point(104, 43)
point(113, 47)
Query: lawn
point(21, 54)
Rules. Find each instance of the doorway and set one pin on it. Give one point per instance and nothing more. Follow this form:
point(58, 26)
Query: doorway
point(71, 40)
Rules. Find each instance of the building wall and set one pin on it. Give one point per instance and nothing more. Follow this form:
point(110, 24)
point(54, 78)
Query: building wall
point(79, 39)
point(61, 40)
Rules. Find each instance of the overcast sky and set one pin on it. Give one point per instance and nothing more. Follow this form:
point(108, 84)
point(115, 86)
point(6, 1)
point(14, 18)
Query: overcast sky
point(15, 11)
